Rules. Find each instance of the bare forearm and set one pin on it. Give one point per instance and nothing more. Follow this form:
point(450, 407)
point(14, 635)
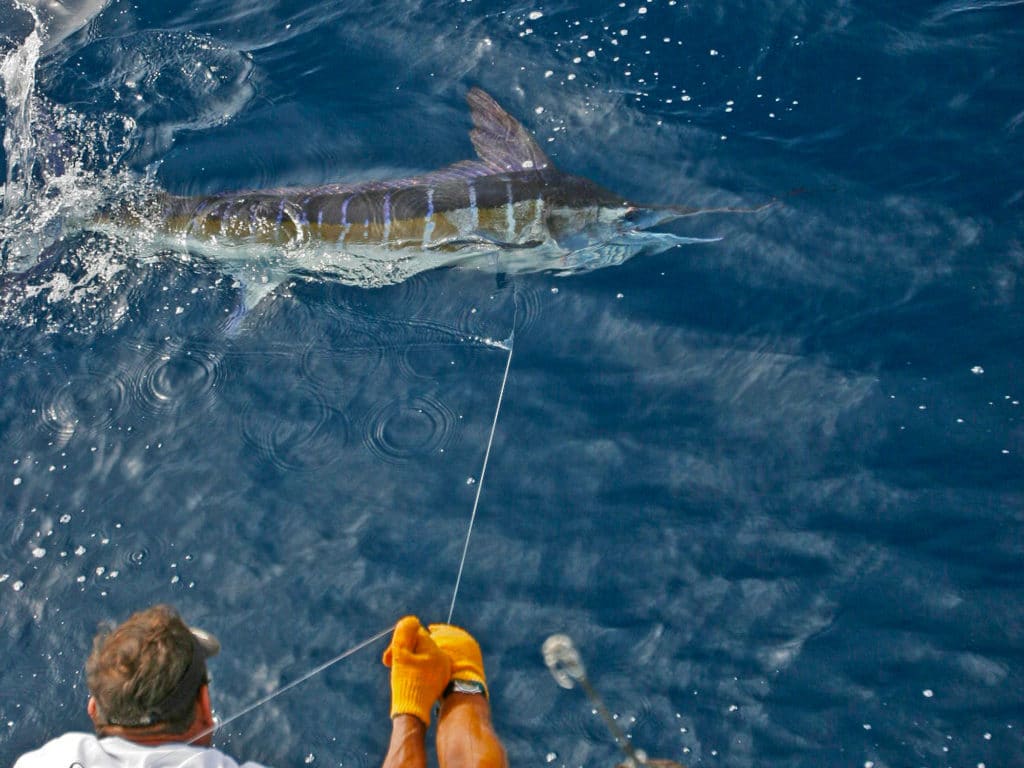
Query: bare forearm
point(465, 735)
point(408, 747)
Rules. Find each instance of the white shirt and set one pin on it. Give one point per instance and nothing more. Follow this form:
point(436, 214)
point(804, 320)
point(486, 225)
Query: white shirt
point(84, 750)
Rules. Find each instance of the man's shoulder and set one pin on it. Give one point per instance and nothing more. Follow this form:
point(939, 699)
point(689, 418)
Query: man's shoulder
point(85, 749)
point(70, 744)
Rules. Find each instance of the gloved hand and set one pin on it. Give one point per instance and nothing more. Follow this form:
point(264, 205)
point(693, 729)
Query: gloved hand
point(419, 670)
point(464, 651)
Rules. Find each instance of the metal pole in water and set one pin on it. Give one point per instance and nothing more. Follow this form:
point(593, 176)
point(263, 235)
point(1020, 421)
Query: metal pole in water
point(565, 665)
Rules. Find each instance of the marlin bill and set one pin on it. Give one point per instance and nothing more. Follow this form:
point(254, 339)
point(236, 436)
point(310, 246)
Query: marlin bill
point(509, 209)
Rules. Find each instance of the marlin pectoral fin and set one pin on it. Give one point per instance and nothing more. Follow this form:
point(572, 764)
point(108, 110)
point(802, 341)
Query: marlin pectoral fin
point(500, 140)
point(623, 247)
point(655, 242)
point(478, 239)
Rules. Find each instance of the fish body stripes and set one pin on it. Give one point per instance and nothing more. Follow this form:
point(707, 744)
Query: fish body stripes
point(506, 209)
point(428, 220)
point(510, 198)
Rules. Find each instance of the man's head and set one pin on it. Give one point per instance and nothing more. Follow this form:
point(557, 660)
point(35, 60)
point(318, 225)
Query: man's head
point(148, 676)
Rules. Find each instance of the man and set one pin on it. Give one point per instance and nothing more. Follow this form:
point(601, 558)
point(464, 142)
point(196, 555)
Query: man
point(150, 701)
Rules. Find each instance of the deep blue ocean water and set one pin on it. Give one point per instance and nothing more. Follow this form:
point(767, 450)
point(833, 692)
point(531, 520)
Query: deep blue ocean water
point(772, 485)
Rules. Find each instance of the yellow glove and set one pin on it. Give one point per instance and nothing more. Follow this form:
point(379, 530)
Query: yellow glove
point(464, 651)
point(419, 670)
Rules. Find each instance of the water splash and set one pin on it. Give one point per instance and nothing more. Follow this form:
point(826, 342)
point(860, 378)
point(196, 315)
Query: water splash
point(67, 168)
point(18, 72)
point(58, 161)
point(63, 168)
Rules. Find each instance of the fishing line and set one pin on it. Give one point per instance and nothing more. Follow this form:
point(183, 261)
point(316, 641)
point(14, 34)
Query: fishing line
point(510, 344)
point(487, 453)
point(285, 688)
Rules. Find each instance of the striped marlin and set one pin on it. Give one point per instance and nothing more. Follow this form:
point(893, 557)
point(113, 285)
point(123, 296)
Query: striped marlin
point(510, 205)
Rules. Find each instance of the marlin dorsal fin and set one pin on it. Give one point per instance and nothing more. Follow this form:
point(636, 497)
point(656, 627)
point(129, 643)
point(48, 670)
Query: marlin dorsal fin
point(500, 140)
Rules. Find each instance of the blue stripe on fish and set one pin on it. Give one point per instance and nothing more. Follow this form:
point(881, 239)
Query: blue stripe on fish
point(428, 220)
point(197, 217)
point(280, 218)
point(343, 232)
point(472, 204)
point(510, 214)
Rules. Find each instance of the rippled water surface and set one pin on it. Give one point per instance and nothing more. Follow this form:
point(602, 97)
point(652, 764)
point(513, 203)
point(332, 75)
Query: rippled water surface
point(772, 485)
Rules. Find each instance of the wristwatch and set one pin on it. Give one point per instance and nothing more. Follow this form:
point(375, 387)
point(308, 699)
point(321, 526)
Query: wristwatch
point(466, 686)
